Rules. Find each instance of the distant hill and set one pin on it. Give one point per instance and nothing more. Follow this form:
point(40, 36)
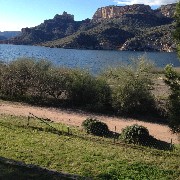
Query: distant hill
point(9, 34)
point(136, 27)
point(2, 38)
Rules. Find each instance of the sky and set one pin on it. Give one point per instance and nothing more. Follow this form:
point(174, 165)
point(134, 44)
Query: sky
point(17, 14)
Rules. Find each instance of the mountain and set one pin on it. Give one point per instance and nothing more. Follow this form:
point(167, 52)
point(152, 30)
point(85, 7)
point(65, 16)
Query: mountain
point(59, 27)
point(134, 27)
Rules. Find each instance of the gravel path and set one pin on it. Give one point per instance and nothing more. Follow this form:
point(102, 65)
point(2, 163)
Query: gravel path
point(69, 117)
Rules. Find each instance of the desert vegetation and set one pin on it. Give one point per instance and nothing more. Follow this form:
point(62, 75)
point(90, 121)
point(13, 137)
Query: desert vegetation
point(125, 90)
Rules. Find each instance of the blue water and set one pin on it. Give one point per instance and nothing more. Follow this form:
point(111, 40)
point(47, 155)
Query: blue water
point(94, 60)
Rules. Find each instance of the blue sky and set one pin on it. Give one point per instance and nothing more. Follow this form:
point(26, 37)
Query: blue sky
point(16, 14)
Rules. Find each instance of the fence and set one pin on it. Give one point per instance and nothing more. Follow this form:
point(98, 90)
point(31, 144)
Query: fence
point(111, 137)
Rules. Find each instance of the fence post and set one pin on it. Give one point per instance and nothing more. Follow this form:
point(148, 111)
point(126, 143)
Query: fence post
point(28, 120)
point(172, 144)
point(68, 130)
point(114, 134)
point(114, 138)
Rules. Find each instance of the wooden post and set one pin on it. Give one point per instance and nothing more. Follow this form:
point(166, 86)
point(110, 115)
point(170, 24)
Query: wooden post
point(172, 144)
point(28, 120)
point(115, 133)
point(114, 138)
point(68, 130)
point(62, 130)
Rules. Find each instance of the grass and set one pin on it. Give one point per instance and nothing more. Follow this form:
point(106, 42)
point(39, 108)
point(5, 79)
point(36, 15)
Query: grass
point(80, 156)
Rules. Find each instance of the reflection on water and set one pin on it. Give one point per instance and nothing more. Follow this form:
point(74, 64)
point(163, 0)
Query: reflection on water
point(95, 60)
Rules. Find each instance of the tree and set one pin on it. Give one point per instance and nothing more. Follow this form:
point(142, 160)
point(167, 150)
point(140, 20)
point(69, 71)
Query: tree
point(173, 81)
point(131, 87)
point(177, 30)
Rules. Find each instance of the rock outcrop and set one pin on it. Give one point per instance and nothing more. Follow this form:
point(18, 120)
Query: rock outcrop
point(167, 10)
point(110, 12)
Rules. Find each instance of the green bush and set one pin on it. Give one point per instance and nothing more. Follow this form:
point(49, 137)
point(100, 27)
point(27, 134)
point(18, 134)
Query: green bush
point(125, 90)
point(16, 77)
point(88, 91)
point(172, 79)
point(135, 134)
point(131, 87)
point(95, 127)
point(40, 81)
point(28, 78)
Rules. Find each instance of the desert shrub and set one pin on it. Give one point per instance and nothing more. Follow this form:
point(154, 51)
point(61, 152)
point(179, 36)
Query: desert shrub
point(25, 77)
point(50, 81)
point(16, 77)
point(41, 81)
point(135, 134)
point(95, 127)
point(88, 91)
point(57, 82)
point(35, 79)
point(131, 87)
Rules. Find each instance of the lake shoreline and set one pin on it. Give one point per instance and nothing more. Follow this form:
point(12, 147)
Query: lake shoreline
point(93, 60)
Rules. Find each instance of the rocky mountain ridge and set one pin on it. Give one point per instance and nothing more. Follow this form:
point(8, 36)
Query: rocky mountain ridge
point(136, 27)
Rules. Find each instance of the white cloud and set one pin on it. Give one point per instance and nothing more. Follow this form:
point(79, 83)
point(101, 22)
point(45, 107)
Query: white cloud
point(147, 2)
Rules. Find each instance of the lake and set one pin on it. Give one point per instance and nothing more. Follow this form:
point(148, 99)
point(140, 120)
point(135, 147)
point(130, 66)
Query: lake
point(94, 60)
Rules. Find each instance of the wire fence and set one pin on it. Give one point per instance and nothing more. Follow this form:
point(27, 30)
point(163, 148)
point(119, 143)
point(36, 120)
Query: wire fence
point(110, 137)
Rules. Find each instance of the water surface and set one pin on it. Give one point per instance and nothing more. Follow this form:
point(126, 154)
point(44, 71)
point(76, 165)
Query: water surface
point(95, 60)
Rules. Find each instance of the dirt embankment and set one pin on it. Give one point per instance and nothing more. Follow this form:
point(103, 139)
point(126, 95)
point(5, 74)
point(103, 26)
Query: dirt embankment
point(69, 117)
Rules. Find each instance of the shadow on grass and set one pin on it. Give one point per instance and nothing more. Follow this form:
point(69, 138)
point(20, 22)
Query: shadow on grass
point(47, 129)
point(154, 143)
point(158, 144)
point(10, 169)
point(150, 142)
point(9, 127)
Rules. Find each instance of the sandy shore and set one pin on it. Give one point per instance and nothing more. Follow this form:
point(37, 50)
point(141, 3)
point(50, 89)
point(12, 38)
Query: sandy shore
point(69, 117)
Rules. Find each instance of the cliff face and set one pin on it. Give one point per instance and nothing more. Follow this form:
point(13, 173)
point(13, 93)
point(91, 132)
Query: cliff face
point(118, 11)
point(167, 10)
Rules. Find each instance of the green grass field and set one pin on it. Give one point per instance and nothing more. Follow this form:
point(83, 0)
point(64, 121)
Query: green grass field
point(74, 155)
